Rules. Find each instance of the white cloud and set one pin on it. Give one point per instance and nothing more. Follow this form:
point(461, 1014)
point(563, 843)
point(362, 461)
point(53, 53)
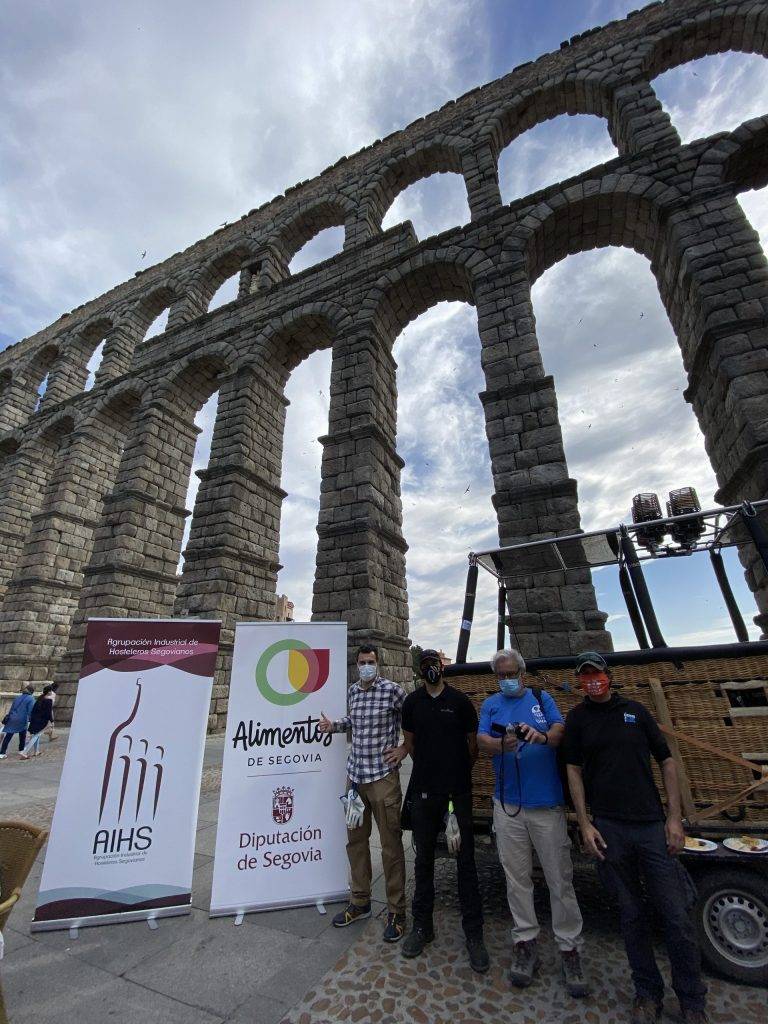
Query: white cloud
point(144, 126)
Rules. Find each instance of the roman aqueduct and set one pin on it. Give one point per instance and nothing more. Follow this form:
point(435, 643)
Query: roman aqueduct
point(92, 483)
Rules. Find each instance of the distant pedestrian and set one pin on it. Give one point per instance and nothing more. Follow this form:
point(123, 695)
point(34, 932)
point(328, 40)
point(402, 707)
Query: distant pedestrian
point(17, 719)
point(40, 717)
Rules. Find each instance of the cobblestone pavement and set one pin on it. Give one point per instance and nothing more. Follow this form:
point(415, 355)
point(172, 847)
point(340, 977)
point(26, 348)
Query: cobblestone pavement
point(292, 966)
point(373, 983)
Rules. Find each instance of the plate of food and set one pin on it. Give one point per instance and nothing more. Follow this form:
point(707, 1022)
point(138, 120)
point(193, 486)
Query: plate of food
point(746, 844)
point(693, 844)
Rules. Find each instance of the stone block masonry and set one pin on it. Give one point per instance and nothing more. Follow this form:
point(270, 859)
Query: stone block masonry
point(92, 484)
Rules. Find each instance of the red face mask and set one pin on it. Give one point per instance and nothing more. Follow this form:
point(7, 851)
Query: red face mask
point(594, 684)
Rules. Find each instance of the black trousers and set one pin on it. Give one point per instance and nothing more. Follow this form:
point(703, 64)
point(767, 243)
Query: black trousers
point(427, 816)
point(635, 848)
point(7, 740)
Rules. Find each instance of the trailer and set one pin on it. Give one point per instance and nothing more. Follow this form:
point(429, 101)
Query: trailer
point(710, 700)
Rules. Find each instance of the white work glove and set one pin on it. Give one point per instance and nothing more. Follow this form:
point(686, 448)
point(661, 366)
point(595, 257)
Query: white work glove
point(452, 833)
point(354, 808)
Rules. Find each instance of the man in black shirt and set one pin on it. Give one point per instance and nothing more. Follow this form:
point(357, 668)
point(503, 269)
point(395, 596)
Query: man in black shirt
point(440, 730)
point(607, 746)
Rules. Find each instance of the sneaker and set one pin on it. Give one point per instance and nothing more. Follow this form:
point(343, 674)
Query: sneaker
point(416, 941)
point(478, 955)
point(645, 1010)
point(24, 756)
point(350, 914)
point(573, 974)
point(395, 928)
point(689, 1016)
point(524, 963)
point(3, 757)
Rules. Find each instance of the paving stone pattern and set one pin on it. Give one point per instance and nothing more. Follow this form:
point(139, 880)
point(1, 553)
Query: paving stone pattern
point(373, 983)
point(92, 484)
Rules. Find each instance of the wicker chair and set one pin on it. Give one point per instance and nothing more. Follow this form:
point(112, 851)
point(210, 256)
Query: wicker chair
point(19, 845)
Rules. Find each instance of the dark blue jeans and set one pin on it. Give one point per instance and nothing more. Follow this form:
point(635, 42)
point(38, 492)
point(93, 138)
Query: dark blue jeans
point(427, 814)
point(638, 849)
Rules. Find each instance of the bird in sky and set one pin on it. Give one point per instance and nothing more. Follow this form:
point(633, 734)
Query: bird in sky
point(144, 254)
point(467, 490)
point(223, 223)
point(642, 315)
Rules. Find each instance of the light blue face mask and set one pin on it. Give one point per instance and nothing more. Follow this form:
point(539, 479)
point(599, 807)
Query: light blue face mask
point(511, 687)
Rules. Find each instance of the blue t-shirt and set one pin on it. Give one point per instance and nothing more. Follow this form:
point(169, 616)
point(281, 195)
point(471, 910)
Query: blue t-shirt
point(539, 778)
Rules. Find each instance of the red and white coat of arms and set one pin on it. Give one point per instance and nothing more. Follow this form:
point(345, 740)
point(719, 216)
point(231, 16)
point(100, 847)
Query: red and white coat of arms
point(282, 805)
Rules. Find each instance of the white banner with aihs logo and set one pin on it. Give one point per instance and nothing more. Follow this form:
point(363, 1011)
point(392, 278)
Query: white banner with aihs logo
point(123, 834)
point(281, 837)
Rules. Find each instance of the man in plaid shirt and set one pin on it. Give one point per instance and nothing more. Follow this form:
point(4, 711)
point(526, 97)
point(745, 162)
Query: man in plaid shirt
point(374, 707)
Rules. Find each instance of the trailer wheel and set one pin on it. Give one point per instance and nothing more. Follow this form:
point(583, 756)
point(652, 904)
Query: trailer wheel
point(732, 923)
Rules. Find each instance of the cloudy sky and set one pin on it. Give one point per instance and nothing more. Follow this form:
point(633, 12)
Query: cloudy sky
point(143, 126)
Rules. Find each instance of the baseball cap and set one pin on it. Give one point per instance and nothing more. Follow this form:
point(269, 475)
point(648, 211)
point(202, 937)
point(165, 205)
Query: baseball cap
point(429, 655)
point(591, 659)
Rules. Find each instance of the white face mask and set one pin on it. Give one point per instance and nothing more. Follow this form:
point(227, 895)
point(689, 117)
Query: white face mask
point(367, 673)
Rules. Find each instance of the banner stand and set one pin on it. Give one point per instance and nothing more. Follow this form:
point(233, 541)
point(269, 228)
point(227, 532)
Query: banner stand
point(122, 839)
point(289, 904)
point(281, 837)
point(123, 917)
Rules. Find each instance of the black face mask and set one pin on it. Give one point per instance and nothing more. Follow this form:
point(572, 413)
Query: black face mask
point(432, 674)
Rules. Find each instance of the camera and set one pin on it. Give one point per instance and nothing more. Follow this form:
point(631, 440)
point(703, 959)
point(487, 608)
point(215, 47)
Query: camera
point(497, 729)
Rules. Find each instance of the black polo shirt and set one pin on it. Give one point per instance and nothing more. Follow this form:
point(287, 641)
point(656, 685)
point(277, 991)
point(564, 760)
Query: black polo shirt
point(441, 762)
point(612, 743)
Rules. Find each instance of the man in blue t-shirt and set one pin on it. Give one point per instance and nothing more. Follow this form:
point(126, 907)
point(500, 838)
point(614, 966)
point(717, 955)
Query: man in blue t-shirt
point(529, 814)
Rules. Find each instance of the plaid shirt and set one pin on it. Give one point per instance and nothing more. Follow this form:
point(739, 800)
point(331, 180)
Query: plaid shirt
point(374, 717)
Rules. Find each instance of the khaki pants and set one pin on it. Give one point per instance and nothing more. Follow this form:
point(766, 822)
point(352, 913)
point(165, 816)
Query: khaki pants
point(383, 800)
point(542, 829)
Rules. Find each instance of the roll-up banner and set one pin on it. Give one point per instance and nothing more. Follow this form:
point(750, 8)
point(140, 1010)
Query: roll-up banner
point(123, 834)
point(281, 836)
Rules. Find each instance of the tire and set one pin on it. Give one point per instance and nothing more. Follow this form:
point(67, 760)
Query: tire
point(731, 915)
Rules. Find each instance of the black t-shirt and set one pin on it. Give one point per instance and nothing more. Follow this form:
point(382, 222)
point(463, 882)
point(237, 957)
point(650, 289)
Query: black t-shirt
point(441, 762)
point(612, 743)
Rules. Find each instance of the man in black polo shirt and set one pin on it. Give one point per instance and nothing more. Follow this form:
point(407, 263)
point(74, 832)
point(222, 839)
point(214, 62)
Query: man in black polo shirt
point(607, 746)
point(440, 730)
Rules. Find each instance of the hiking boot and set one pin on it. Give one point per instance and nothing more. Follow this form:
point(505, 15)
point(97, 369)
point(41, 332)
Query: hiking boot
point(350, 914)
point(524, 963)
point(395, 928)
point(416, 941)
point(478, 955)
point(690, 1016)
point(645, 1010)
point(573, 974)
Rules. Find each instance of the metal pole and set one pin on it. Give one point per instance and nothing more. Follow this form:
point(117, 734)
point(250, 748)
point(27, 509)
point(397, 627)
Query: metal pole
point(501, 622)
point(730, 601)
point(641, 589)
point(756, 531)
point(467, 615)
point(634, 612)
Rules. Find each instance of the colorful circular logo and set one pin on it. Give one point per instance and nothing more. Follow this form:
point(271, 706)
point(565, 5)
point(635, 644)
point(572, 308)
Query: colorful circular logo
point(307, 671)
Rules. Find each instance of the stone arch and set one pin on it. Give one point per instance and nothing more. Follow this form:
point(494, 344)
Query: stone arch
point(307, 220)
point(289, 339)
point(192, 382)
point(69, 373)
point(169, 295)
point(432, 276)
point(589, 216)
point(244, 256)
point(444, 155)
point(585, 93)
point(715, 31)
point(41, 363)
